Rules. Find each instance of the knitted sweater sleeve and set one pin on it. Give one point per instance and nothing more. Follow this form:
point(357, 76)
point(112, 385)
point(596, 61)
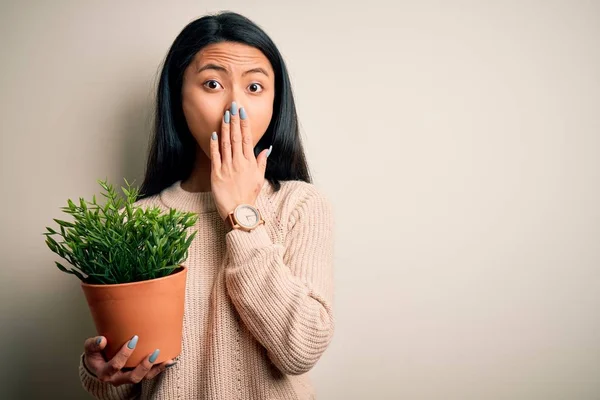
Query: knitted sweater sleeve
point(284, 293)
point(104, 390)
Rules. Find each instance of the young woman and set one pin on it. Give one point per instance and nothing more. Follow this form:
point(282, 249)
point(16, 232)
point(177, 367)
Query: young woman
point(258, 307)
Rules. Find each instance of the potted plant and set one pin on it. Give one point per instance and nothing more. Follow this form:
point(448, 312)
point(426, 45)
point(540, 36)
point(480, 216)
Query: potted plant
point(129, 261)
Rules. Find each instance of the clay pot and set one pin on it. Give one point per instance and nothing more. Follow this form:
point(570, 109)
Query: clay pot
point(151, 309)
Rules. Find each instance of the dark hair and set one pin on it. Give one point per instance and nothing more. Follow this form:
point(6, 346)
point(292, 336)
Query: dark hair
point(173, 148)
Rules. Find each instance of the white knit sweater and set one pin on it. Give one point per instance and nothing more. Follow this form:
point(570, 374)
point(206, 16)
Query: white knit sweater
point(258, 305)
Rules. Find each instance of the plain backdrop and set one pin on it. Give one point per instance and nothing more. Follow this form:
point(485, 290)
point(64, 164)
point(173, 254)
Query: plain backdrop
point(459, 142)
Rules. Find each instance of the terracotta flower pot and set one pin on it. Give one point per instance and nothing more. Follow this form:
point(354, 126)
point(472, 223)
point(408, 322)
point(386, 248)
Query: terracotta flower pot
point(151, 309)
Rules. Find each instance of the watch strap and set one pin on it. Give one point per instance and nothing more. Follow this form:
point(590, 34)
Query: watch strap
point(229, 222)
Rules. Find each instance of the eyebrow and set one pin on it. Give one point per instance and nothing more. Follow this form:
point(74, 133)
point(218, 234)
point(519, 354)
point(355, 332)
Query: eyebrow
point(221, 68)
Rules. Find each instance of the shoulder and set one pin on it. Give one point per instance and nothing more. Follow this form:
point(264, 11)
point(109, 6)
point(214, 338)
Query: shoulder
point(293, 194)
point(301, 189)
point(297, 199)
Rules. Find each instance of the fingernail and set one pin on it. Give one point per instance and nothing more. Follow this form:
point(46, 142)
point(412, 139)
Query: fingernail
point(243, 113)
point(234, 109)
point(170, 365)
point(154, 355)
point(99, 340)
point(269, 152)
point(133, 342)
point(214, 136)
point(227, 117)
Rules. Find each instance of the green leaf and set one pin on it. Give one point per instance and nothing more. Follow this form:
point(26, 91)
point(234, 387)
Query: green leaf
point(64, 223)
point(52, 231)
point(73, 271)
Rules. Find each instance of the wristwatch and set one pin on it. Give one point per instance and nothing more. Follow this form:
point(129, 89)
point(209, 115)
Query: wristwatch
point(245, 217)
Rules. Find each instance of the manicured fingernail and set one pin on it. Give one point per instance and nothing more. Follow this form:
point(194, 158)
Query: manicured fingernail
point(154, 355)
point(234, 109)
point(133, 342)
point(99, 340)
point(243, 113)
point(269, 152)
point(214, 136)
point(227, 117)
point(170, 365)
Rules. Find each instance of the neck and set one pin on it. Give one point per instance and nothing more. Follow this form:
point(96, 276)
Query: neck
point(199, 179)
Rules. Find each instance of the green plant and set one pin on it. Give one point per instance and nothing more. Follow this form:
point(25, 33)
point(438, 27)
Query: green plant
point(115, 244)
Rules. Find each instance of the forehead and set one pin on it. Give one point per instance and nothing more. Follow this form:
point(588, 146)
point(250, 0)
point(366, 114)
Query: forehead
point(230, 54)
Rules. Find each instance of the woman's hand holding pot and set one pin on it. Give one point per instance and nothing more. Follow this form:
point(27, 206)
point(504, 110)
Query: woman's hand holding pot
point(111, 371)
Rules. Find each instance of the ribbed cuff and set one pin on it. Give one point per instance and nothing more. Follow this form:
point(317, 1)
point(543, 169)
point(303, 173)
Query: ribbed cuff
point(243, 246)
point(86, 368)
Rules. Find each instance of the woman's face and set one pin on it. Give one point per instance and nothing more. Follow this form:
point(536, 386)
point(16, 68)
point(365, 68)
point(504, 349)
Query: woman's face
point(219, 74)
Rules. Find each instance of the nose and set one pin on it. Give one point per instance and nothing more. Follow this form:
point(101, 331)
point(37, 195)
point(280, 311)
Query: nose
point(229, 103)
point(235, 95)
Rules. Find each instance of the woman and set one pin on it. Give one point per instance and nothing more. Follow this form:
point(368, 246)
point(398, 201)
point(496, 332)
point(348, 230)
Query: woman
point(259, 293)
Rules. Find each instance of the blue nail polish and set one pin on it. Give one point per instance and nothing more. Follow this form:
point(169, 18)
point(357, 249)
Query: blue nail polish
point(99, 340)
point(269, 152)
point(214, 136)
point(243, 113)
point(227, 117)
point(133, 342)
point(234, 109)
point(154, 355)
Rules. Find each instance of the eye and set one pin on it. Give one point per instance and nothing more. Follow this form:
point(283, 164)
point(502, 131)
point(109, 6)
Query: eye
point(254, 86)
point(212, 84)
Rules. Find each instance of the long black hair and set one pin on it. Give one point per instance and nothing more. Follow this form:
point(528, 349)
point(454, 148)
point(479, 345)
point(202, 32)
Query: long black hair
point(173, 148)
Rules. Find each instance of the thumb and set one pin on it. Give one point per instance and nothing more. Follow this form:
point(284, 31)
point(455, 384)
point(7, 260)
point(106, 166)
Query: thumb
point(94, 345)
point(99, 343)
point(262, 159)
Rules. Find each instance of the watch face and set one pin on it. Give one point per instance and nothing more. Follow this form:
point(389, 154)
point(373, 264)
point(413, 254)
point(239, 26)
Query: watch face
point(246, 215)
